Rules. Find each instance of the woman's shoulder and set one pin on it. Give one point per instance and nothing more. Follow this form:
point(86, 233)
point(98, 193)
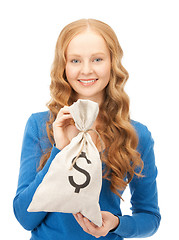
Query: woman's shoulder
point(143, 133)
point(141, 129)
point(37, 123)
point(36, 126)
point(40, 116)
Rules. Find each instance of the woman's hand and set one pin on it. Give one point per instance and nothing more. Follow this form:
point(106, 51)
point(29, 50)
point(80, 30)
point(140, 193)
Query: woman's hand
point(63, 130)
point(109, 222)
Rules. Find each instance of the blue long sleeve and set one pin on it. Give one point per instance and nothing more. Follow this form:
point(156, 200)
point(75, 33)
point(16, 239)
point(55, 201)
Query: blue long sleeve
point(145, 218)
point(29, 179)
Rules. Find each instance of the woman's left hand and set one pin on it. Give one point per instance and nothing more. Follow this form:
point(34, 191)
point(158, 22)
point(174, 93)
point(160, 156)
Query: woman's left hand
point(110, 222)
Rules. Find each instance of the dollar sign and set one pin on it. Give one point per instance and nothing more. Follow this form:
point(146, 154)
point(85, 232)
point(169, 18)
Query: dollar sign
point(88, 177)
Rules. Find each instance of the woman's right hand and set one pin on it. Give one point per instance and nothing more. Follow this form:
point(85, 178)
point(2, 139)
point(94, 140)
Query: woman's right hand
point(63, 129)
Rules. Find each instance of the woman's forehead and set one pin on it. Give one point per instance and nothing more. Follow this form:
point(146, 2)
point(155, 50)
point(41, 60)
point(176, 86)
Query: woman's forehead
point(87, 41)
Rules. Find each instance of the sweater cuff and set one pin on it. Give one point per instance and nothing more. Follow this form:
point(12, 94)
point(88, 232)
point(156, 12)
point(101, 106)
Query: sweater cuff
point(114, 229)
point(126, 226)
point(53, 154)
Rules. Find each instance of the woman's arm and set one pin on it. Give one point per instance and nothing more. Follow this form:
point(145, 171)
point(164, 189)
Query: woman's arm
point(145, 218)
point(29, 178)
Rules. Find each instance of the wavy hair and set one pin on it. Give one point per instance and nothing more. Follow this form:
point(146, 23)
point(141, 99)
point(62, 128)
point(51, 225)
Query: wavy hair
point(121, 157)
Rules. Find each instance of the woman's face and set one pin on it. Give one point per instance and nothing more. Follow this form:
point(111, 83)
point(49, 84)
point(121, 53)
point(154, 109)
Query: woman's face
point(88, 65)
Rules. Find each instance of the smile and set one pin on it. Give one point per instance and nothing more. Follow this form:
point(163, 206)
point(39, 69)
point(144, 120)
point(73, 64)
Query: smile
point(86, 81)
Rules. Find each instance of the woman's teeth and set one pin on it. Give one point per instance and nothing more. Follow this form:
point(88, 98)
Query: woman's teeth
point(88, 81)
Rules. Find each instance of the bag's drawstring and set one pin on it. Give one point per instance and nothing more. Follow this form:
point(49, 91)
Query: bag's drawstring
point(83, 144)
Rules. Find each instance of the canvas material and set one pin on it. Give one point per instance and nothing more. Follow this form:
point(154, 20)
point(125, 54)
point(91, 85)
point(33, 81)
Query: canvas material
point(84, 113)
point(78, 189)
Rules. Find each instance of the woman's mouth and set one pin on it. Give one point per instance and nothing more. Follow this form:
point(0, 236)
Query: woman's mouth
point(87, 82)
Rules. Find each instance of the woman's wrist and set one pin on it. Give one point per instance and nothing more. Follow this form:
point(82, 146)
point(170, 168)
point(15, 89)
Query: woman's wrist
point(116, 223)
point(61, 145)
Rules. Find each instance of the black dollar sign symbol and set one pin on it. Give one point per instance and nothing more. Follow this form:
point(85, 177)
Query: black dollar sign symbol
point(88, 177)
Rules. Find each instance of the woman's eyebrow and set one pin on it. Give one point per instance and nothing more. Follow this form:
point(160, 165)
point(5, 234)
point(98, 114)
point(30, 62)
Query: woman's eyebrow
point(78, 55)
point(73, 55)
point(98, 53)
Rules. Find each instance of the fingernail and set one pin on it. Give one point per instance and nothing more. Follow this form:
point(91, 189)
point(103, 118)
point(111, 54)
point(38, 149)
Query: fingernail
point(86, 220)
point(78, 215)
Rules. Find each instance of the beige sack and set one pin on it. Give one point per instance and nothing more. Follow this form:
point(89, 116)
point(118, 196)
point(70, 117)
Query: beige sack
point(73, 181)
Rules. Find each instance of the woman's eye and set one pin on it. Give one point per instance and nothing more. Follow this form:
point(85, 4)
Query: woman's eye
point(98, 59)
point(75, 61)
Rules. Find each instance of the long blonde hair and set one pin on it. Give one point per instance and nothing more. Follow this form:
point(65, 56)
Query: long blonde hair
point(115, 127)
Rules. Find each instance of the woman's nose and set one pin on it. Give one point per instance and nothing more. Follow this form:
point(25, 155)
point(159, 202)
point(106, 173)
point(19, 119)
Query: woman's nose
point(86, 68)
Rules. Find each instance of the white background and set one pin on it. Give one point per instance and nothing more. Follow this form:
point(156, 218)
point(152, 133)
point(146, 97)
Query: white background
point(148, 33)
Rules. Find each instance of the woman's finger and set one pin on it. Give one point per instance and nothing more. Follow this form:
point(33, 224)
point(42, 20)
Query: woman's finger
point(64, 110)
point(80, 219)
point(92, 228)
point(61, 119)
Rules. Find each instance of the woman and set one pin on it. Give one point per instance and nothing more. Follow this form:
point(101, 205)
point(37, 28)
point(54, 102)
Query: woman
point(87, 65)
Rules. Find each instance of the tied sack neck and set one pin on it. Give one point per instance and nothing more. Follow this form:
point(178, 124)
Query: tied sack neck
point(84, 113)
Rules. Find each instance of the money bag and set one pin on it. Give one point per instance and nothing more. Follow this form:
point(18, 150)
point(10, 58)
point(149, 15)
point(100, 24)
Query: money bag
point(74, 179)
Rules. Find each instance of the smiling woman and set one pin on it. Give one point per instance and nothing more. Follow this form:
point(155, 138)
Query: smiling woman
point(87, 65)
point(88, 72)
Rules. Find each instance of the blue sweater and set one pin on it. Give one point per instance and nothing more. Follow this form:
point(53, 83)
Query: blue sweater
point(145, 217)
